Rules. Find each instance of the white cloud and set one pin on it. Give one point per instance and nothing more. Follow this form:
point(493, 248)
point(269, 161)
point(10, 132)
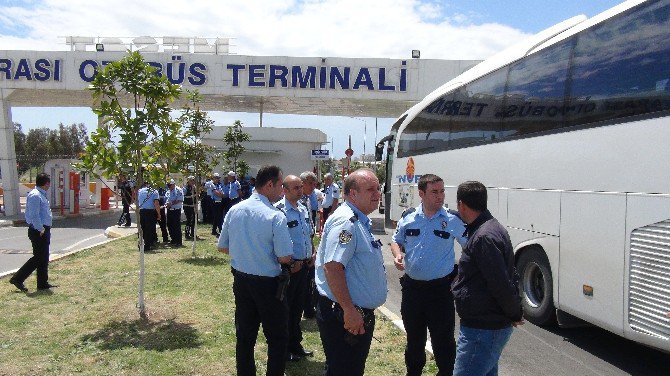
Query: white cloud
point(349, 28)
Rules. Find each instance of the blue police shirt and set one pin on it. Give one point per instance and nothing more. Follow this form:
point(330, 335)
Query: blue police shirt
point(216, 187)
point(298, 228)
point(429, 243)
point(258, 237)
point(209, 186)
point(313, 201)
point(174, 195)
point(347, 239)
point(38, 210)
point(146, 197)
point(233, 189)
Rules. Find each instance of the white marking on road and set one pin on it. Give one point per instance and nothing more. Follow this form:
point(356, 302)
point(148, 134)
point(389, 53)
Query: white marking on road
point(83, 241)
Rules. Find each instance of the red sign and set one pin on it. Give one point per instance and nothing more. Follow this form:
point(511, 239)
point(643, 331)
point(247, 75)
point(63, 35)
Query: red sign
point(349, 152)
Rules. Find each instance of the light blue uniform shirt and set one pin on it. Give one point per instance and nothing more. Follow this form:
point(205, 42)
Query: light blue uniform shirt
point(172, 196)
point(258, 237)
point(429, 243)
point(347, 239)
point(313, 201)
point(38, 210)
point(146, 197)
point(233, 189)
point(298, 228)
point(216, 187)
point(209, 186)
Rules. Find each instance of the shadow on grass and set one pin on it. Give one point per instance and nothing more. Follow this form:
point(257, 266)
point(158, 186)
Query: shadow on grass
point(146, 334)
point(309, 325)
point(306, 366)
point(205, 261)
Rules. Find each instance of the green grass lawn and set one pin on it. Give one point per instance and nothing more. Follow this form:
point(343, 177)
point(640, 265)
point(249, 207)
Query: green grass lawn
point(90, 324)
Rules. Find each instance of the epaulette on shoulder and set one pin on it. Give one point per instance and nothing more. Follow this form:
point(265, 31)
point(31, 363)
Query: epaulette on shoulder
point(354, 218)
point(454, 213)
point(407, 212)
point(280, 205)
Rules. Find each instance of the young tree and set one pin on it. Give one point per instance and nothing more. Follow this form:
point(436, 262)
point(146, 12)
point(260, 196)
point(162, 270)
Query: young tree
point(234, 138)
point(197, 158)
point(136, 131)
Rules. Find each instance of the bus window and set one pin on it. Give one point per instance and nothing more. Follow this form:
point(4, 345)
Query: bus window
point(535, 91)
point(617, 67)
point(479, 103)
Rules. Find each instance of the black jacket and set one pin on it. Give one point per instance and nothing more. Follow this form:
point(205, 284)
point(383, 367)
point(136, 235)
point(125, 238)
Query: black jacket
point(485, 290)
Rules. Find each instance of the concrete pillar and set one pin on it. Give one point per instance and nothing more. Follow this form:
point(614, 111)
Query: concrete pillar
point(10, 176)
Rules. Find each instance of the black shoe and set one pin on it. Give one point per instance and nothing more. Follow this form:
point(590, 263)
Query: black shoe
point(300, 351)
point(291, 357)
point(215, 233)
point(126, 225)
point(46, 287)
point(309, 315)
point(19, 285)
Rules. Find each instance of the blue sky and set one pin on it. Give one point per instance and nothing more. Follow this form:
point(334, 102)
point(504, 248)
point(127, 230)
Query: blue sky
point(457, 29)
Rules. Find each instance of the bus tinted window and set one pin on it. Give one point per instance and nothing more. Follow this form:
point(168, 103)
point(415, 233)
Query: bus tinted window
point(429, 131)
point(478, 117)
point(534, 101)
point(620, 68)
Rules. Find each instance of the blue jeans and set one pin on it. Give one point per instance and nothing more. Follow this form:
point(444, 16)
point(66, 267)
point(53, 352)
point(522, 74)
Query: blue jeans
point(478, 351)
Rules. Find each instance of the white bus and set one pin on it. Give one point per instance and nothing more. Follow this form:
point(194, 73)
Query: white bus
point(570, 132)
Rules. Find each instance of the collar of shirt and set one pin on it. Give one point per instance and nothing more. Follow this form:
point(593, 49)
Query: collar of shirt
point(365, 221)
point(42, 191)
point(260, 197)
point(441, 212)
point(289, 206)
point(483, 217)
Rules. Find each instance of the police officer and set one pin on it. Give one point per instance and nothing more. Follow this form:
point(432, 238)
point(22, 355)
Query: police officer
point(309, 200)
point(234, 189)
point(216, 194)
point(126, 189)
point(426, 234)
point(174, 200)
point(350, 277)
point(39, 220)
point(331, 196)
point(206, 201)
point(189, 207)
point(150, 212)
point(162, 220)
point(256, 263)
point(300, 230)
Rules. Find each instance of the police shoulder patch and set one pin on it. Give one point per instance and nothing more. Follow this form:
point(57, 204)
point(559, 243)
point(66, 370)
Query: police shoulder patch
point(345, 237)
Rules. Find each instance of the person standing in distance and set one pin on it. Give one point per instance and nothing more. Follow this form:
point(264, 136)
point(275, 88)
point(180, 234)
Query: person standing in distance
point(300, 230)
point(331, 196)
point(174, 200)
point(39, 219)
point(215, 190)
point(126, 189)
point(485, 290)
point(309, 199)
point(350, 277)
point(426, 235)
point(258, 244)
point(150, 213)
point(189, 207)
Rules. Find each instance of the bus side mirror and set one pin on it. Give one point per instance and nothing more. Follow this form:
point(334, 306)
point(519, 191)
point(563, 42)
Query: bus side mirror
point(379, 152)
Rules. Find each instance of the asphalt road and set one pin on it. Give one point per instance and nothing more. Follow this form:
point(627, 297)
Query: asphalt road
point(553, 351)
point(67, 235)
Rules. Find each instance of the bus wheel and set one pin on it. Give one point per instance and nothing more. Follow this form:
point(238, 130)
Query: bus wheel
point(536, 287)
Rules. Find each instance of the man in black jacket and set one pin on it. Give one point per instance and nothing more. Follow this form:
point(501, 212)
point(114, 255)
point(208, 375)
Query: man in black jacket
point(485, 290)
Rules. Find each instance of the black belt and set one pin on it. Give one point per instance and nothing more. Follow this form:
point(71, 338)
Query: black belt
point(446, 280)
point(336, 305)
point(33, 227)
point(240, 274)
